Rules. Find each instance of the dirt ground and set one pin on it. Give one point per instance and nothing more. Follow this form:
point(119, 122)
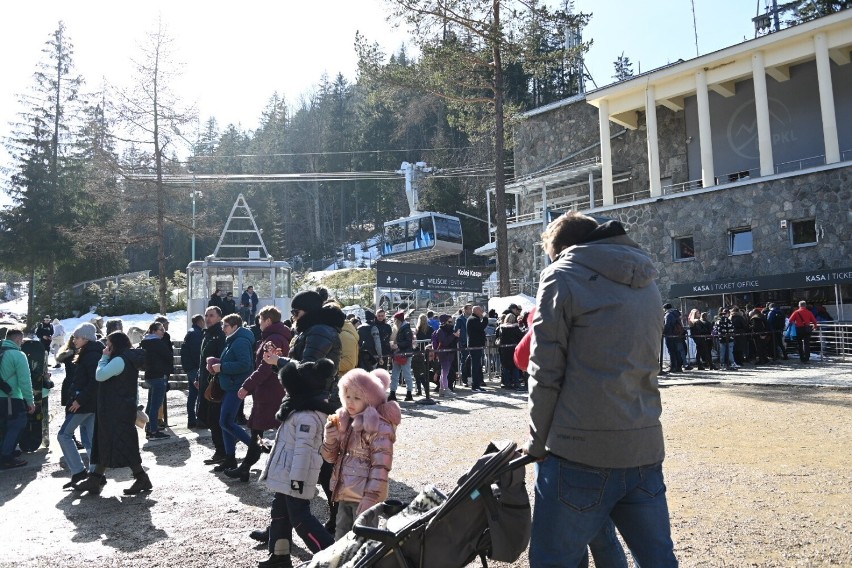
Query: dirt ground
point(756, 476)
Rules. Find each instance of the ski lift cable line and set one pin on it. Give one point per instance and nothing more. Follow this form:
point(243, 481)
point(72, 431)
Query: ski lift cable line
point(341, 152)
point(290, 178)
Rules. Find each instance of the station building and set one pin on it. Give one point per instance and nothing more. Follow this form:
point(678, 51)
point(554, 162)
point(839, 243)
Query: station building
point(733, 170)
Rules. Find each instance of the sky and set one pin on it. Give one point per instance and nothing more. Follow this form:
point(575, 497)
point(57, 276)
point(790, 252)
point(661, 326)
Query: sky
point(236, 55)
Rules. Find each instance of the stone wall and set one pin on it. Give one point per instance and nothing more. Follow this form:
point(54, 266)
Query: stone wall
point(707, 216)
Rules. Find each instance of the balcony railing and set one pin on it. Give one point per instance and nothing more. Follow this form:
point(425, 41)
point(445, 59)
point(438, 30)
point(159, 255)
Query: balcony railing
point(801, 164)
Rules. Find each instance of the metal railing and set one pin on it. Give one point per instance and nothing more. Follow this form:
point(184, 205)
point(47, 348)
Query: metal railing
point(800, 164)
point(684, 186)
point(831, 341)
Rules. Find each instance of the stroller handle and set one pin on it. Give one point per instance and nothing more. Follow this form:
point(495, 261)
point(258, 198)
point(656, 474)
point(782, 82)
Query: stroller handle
point(521, 461)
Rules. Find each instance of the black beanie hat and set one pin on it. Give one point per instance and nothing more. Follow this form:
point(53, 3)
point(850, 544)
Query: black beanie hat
point(308, 301)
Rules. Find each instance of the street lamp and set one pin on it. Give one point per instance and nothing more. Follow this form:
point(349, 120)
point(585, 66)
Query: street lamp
point(194, 193)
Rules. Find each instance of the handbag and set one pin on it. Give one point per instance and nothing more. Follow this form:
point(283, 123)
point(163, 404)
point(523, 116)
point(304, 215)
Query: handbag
point(141, 418)
point(214, 392)
point(400, 359)
point(790, 333)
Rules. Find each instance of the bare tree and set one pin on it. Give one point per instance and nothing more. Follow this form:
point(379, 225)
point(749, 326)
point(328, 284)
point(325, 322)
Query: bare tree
point(153, 117)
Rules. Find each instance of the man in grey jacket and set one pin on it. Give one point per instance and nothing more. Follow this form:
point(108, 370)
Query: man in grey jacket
point(593, 397)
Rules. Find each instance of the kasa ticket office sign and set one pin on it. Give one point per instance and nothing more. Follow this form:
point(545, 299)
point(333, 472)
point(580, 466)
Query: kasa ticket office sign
point(758, 283)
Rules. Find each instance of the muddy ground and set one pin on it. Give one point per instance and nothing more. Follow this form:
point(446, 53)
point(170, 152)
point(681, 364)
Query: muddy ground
point(757, 476)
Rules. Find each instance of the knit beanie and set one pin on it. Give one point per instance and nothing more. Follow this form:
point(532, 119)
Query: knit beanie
point(86, 331)
point(308, 301)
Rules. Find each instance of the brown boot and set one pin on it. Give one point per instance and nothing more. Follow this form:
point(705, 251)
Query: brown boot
point(142, 483)
point(92, 484)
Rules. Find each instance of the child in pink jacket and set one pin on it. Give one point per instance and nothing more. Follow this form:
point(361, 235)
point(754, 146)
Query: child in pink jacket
point(359, 442)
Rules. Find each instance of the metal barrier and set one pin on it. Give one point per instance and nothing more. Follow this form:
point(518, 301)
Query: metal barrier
point(831, 341)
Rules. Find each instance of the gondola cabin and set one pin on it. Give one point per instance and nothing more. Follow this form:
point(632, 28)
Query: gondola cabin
point(422, 236)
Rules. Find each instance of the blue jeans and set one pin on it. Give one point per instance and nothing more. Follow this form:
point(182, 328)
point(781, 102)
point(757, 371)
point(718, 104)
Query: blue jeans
point(677, 352)
point(191, 397)
point(511, 376)
point(231, 431)
point(15, 424)
point(476, 377)
point(156, 396)
point(726, 353)
point(86, 423)
point(606, 550)
point(573, 502)
point(405, 372)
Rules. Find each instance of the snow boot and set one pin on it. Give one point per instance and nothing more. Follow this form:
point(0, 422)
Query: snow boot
point(75, 479)
point(229, 463)
point(409, 397)
point(92, 484)
point(142, 483)
point(279, 557)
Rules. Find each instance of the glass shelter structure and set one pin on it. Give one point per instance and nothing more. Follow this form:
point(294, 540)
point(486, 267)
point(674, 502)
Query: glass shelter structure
point(239, 261)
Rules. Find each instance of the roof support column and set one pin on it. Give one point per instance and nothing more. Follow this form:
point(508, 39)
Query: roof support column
point(761, 105)
point(826, 100)
point(653, 142)
point(606, 156)
point(708, 175)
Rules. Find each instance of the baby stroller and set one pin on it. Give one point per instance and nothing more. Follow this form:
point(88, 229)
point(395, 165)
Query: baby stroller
point(487, 515)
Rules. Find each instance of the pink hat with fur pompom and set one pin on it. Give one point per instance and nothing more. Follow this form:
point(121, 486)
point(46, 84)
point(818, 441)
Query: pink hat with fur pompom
point(372, 385)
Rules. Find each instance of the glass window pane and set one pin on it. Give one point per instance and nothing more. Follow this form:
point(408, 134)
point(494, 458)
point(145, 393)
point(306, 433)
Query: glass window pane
point(260, 279)
point(684, 248)
point(196, 284)
point(803, 232)
point(741, 241)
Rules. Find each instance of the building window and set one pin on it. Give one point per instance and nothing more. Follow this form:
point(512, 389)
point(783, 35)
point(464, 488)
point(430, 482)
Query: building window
point(740, 241)
point(803, 233)
point(684, 248)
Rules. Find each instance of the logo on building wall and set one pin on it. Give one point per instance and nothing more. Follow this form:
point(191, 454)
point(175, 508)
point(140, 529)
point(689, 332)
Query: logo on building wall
point(742, 128)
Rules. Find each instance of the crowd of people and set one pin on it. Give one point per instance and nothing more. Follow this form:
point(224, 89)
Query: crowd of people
point(327, 385)
point(752, 334)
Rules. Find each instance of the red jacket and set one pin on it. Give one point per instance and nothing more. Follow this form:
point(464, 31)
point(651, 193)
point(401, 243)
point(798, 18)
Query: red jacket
point(803, 317)
point(263, 383)
point(522, 351)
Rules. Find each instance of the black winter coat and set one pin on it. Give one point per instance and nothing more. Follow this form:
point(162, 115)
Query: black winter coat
point(509, 335)
point(84, 389)
point(476, 331)
point(404, 338)
point(319, 336)
point(190, 349)
point(159, 357)
point(212, 345)
point(116, 441)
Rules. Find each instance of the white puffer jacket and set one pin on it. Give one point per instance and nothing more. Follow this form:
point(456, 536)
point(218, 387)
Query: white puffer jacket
point(295, 455)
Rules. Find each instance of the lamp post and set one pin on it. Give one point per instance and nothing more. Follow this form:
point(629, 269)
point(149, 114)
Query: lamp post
point(194, 194)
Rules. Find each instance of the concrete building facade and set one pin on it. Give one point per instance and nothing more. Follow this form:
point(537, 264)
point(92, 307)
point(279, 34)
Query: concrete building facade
point(731, 169)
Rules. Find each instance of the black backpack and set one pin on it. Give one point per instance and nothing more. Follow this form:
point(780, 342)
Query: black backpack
point(4, 386)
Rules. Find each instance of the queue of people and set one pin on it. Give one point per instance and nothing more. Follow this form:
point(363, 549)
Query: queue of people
point(753, 334)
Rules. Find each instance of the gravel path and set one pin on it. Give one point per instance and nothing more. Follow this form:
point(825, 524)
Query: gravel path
point(757, 475)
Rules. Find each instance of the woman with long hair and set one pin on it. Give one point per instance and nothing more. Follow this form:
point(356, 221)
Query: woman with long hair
point(116, 443)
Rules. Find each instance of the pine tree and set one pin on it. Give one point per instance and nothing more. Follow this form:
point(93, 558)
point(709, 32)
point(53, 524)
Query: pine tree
point(40, 186)
point(623, 68)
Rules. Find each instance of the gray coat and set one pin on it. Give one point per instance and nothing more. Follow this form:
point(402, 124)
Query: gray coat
point(296, 454)
point(594, 360)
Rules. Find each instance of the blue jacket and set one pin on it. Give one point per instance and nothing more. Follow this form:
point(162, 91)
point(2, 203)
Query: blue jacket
point(237, 361)
point(461, 326)
point(190, 351)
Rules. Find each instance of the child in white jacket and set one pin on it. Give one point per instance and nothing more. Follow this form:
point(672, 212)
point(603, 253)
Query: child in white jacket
point(293, 467)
